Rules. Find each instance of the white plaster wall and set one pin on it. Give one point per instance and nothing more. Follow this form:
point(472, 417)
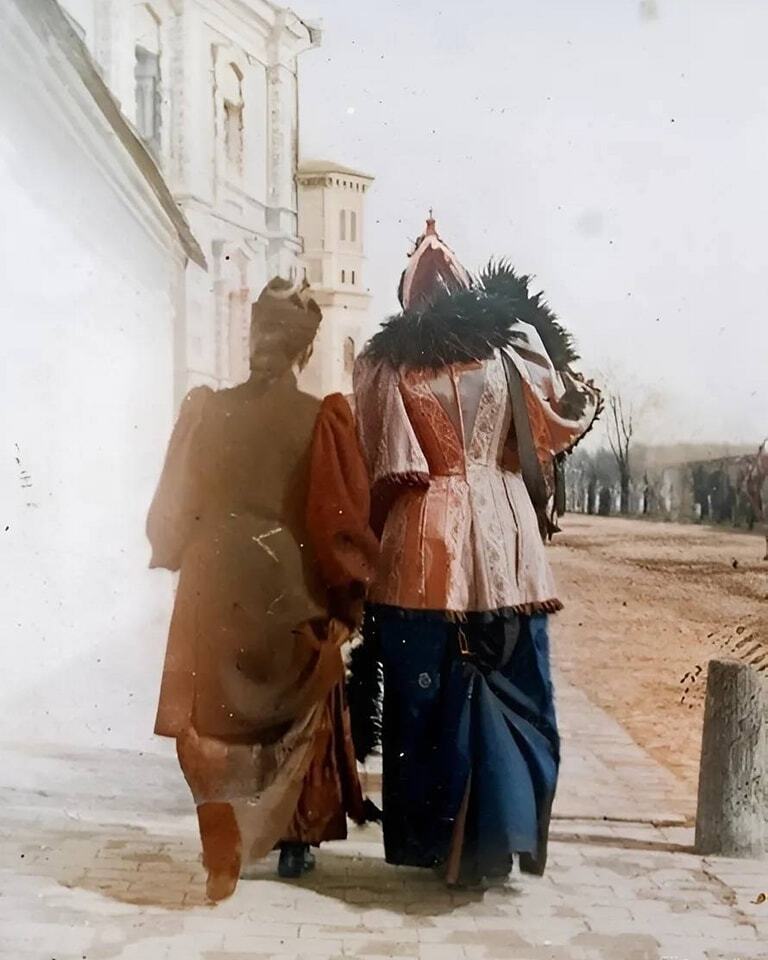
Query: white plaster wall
point(87, 400)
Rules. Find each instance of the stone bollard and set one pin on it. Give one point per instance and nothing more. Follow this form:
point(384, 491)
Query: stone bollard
point(732, 812)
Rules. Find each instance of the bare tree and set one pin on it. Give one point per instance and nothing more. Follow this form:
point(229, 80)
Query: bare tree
point(620, 429)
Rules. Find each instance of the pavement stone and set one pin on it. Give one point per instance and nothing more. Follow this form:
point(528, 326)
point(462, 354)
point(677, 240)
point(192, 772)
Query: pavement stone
point(99, 860)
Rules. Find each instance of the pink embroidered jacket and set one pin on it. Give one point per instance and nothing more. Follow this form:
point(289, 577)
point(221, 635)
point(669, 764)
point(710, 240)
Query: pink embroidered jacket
point(460, 532)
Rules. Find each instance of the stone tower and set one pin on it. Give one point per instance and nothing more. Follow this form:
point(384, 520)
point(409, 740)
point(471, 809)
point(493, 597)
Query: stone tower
point(331, 203)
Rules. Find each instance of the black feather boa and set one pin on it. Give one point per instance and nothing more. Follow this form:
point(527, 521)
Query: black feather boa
point(460, 326)
point(364, 692)
point(499, 279)
point(456, 327)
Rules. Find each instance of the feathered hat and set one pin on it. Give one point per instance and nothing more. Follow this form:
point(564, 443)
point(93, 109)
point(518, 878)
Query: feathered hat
point(432, 270)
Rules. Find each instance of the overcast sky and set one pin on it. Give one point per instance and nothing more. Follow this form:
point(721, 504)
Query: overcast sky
point(617, 149)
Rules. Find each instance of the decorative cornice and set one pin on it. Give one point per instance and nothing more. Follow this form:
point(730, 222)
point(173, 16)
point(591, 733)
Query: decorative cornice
point(323, 169)
point(251, 24)
point(245, 11)
point(71, 62)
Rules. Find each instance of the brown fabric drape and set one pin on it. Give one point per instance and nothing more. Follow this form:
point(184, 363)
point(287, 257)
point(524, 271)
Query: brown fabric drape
point(243, 658)
point(299, 786)
point(339, 501)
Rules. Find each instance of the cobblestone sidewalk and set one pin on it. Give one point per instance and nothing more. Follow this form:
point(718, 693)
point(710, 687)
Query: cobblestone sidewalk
point(99, 860)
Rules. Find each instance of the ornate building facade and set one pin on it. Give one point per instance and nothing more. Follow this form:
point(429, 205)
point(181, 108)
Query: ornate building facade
point(212, 88)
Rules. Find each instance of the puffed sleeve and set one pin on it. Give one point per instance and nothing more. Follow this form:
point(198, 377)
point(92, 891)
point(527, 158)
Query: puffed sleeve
point(564, 421)
point(179, 497)
point(561, 406)
point(338, 500)
point(389, 444)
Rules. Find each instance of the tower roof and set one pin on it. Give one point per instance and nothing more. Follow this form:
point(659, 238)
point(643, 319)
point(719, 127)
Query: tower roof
point(327, 167)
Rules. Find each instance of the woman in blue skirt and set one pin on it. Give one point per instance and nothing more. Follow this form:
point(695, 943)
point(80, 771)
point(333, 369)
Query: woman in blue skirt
point(445, 454)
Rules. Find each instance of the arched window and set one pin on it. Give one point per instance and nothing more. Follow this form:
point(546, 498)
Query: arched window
point(353, 278)
point(342, 225)
point(343, 276)
point(349, 355)
point(353, 226)
point(233, 121)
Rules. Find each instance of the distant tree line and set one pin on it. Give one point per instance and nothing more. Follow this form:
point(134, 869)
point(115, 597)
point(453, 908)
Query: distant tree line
point(714, 491)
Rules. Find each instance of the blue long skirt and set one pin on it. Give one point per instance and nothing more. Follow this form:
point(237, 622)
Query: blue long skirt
point(469, 737)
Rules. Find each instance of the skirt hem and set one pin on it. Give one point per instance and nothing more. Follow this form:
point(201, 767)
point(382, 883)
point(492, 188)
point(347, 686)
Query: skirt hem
point(532, 609)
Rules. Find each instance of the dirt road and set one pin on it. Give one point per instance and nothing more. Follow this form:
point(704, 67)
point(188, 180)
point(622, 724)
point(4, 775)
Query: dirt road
point(647, 605)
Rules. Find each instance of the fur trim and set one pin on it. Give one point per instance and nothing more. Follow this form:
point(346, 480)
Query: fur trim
point(499, 279)
point(364, 688)
point(354, 641)
point(411, 479)
point(541, 606)
point(521, 609)
point(461, 326)
point(590, 428)
point(458, 326)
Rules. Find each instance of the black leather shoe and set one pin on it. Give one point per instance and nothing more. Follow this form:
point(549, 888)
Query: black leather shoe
point(466, 881)
point(536, 863)
point(295, 860)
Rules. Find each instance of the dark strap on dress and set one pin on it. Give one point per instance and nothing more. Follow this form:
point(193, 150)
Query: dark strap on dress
point(530, 467)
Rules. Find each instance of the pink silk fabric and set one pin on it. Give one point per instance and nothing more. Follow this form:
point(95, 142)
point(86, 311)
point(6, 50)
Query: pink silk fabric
point(462, 534)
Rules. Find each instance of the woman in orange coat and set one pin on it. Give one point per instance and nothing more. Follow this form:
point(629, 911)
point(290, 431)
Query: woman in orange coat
point(253, 688)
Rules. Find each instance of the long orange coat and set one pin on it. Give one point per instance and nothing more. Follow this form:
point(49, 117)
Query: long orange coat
point(253, 680)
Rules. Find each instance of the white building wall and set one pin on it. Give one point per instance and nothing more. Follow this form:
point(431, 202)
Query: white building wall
point(92, 283)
